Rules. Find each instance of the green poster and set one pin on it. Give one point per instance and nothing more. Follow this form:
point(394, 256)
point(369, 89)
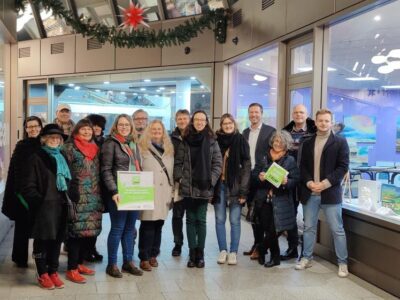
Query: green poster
point(136, 190)
point(275, 174)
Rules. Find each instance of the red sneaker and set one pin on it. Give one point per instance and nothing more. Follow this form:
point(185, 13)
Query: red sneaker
point(56, 280)
point(85, 270)
point(74, 276)
point(45, 282)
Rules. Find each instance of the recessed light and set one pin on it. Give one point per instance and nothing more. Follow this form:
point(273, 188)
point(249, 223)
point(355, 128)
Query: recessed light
point(377, 35)
point(77, 88)
point(71, 84)
point(385, 69)
point(241, 95)
point(355, 66)
point(147, 80)
point(247, 64)
point(330, 69)
point(106, 82)
point(361, 78)
point(134, 94)
point(273, 88)
point(362, 67)
point(193, 78)
point(173, 92)
point(122, 93)
point(97, 91)
point(261, 59)
point(260, 77)
point(203, 96)
point(377, 18)
point(388, 87)
point(202, 86)
point(142, 89)
point(162, 88)
point(304, 69)
point(157, 90)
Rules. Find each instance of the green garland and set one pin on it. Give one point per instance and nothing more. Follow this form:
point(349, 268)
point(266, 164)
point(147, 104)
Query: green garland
point(143, 38)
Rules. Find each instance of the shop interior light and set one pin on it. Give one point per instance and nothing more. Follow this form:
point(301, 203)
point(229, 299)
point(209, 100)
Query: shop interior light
point(142, 89)
point(304, 69)
point(377, 35)
point(385, 69)
point(355, 66)
point(330, 69)
point(77, 88)
point(377, 18)
point(71, 84)
point(361, 78)
point(389, 87)
point(254, 84)
point(147, 80)
point(106, 82)
point(260, 77)
point(193, 78)
point(391, 61)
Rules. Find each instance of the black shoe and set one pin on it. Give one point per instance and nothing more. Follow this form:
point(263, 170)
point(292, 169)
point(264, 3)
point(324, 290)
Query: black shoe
point(250, 252)
point(261, 259)
point(97, 256)
point(289, 254)
point(177, 250)
point(200, 258)
point(273, 263)
point(90, 258)
point(192, 258)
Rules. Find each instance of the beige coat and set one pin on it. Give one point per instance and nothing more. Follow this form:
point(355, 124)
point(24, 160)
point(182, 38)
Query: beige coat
point(162, 189)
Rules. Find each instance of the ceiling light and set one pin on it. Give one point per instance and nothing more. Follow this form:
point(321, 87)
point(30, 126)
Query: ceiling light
point(202, 86)
point(261, 59)
point(383, 50)
point(122, 93)
point(385, 69)
point(377, 35)
point(260, 77)
point(377, 18)
point(162, 88)
point(362, 67)
point(134, 94)
point(77, 88)
point(254, 84)
point(378, 59)
point(193, 78)
point(106, 82)
point(157, 90)
point(361, 78)
point(395, 64)
point(172, 92)
point(394, 53)
point(273, 88)
point(355, 66)
point(247, 64)
point(97, 91)
point(388, 87)
point(241, 95)
point(304, 69)
point(142, 89)
point(330, 69)
point(203, 96)
point(147, 80)
point(71, 84)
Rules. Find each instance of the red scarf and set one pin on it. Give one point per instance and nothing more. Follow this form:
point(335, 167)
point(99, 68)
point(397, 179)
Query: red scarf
point(88, 149)
point(125, 144)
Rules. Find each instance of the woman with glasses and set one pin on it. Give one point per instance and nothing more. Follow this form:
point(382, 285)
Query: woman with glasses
point(273, 206)
point(197, 168)
point(120, 153)
point(232, 186)
point(15, 206)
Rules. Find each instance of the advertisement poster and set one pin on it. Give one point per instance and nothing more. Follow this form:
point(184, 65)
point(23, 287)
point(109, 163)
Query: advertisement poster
point(136, 190)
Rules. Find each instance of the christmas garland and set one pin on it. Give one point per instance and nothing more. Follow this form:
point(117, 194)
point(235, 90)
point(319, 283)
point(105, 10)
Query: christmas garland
point(143, 38)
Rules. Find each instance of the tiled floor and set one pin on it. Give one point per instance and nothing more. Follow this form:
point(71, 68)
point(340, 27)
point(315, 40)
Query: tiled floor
point(172, 280)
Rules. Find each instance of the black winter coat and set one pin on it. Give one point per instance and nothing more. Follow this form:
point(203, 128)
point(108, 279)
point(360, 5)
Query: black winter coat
point(114, 158)
point(183, 171)
point(333, 166)
point(282, 203)
point(13, 208)
point(47, 203)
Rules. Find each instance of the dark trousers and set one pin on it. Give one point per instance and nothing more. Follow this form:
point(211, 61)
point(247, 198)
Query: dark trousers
point(21, 241)
point(293, 235)
point(267, 232)
point(196, 222)
point(178, 212)
point(150, 239)
point(78, 249)
point(46, 254)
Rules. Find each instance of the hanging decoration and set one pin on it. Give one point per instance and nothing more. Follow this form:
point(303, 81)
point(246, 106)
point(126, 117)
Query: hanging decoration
point(137, 37)
point(133, 16)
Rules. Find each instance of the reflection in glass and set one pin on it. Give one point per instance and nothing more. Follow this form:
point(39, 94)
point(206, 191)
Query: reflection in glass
point(160, 93)
point(301, 59)
point(37, 90)
point(182, 8)
point(301, 96)
point(99, 11)
point(54, 26)
point(254, 79)
point(151, 6)
point(38, 110)
point(26, 25)
point(3, 133)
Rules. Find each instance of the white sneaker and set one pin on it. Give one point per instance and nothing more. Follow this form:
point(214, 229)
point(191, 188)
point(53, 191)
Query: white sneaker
point(304, 263)
point(222, 257)
point(343, 271)
point(232, 258)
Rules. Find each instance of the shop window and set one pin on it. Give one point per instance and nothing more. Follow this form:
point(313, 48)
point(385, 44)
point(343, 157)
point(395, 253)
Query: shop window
point(364, 94)
point(160, 93)
point(302, 59)
point(26, 24)
point(97, 10)
point(254, 79)
point(183, 8)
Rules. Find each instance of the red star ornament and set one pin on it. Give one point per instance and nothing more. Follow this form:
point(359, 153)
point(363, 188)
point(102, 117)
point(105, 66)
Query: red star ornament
point(133, 16)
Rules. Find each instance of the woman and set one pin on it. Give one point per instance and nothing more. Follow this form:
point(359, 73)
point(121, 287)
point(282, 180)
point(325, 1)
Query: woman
point(158, 157)
point(14, 205)
point(45, 192)
point(232, 187)
point(274, 207)
point(120, 153)
point(99, 125)
point(82, 156)
point(197, 167)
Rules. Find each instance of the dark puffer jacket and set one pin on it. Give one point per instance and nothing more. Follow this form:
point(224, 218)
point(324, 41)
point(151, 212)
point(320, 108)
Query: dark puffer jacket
point(183, 171)
point(114, 158)
point(282, 203)
point(47, 204)
point(84, 190)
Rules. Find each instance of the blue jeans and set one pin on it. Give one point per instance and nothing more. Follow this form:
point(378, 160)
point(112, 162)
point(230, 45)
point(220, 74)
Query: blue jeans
point(333, 214)
point(122, 230)
point(235, 209)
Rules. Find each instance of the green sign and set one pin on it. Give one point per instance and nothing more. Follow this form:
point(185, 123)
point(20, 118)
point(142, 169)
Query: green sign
point(275, 174)
point(136, 190)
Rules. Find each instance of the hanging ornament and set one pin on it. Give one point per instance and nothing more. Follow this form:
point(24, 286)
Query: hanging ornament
point(133, 16)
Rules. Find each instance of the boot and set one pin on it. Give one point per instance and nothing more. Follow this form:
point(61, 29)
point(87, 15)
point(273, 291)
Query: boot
point(261, 255)
point(200, 258)
point(192, 258)
point(274, 261)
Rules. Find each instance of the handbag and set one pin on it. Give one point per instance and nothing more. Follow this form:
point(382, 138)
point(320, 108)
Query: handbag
point(71, 208)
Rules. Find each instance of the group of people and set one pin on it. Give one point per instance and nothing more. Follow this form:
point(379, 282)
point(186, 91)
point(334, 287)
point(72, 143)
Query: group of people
point(63, 177)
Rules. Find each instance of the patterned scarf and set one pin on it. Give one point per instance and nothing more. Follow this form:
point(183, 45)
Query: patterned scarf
point(63, 172)
point(130, 147)
point(88, 149)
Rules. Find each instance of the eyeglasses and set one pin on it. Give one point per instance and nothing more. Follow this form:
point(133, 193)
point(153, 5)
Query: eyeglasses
point(124, 125)
point(140, 119)
point(227, 123)
point(199, 120)
point(33, 127)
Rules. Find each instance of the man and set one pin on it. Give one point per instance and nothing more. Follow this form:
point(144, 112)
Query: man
point(140, 120)
point(300, 128)
point(324, 161)
point(63, 118)
point(182, 119)
point(258, 135)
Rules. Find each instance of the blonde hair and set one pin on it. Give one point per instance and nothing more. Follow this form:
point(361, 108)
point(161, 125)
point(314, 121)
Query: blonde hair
point(43, 139)
point(114, 129)
point(145, 139)
point(323, 111)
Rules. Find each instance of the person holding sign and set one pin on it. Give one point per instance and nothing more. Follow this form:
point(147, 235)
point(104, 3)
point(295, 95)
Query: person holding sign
point(232, 187)
point(197, 168)
point(120, 153)
point(158, 157)
point(276, 177)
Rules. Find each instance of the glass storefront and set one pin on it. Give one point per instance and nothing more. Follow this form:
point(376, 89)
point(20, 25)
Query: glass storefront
point(161, 93)
point(364, 94)
point(254, 79)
